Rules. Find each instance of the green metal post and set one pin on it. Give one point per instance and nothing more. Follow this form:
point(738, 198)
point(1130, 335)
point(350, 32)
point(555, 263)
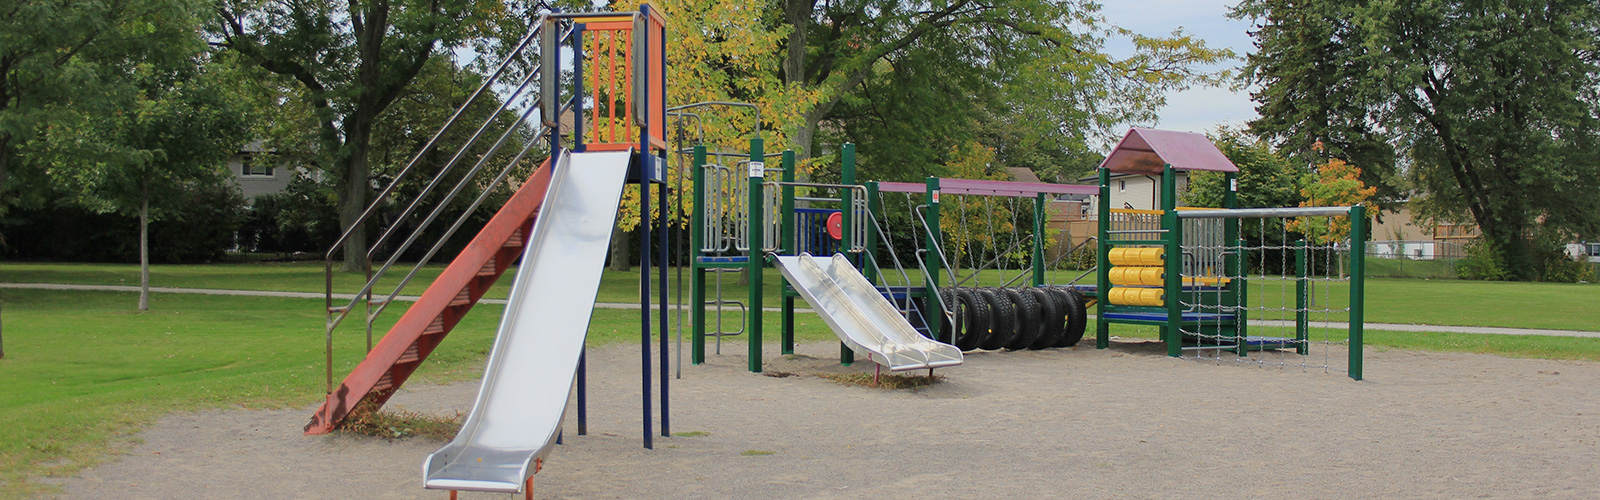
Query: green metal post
point(847, 176)
point(697, 274)
point(1302, 317)
point(1234, 264)
point(1102, 337)
point(1038, 239)
point(931, 261)
point(757, 257)
point(1173, 332)
point(788, 249)
point(1358, 285)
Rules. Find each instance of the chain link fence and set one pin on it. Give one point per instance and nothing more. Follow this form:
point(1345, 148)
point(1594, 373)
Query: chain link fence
point(1427, 259)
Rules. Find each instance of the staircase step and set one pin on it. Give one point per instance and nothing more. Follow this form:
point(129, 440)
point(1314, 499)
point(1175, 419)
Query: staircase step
point(385, 383)
point(488, 268)
point(411, 355)
point(436, 327)
point(463, 298)
point(516, 239)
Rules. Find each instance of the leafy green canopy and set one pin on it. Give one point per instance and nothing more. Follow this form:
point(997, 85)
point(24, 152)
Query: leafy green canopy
point(68, 63)
point(348, 62)
point(1027, 78)
point(1496, 105)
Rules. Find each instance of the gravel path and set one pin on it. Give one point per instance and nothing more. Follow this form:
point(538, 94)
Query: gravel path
point(1484, 330)
point(1123, 422)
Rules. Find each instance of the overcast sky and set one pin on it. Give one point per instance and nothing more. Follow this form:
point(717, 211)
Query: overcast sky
point(1200, 109)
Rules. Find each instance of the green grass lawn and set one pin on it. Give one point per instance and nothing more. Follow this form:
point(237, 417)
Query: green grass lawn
point(1553, 306)
point(83, 372)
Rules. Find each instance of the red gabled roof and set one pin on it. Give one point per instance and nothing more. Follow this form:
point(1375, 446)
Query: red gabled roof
point(1145, 151)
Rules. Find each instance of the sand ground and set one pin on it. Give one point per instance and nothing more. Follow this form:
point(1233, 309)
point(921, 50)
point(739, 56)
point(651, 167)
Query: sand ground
point(1123, 422)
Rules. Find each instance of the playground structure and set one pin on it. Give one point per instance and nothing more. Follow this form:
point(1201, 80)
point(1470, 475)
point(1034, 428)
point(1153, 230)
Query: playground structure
point(558, 221)
point(1206, 277)
point(1224, 257)
point(735, 219)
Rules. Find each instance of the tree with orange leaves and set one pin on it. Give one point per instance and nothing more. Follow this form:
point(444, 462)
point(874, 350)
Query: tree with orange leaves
point(1335, 183)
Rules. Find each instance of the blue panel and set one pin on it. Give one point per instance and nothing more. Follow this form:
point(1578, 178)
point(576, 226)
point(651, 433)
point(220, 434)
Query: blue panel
point(724, 259)
point(1187, 317)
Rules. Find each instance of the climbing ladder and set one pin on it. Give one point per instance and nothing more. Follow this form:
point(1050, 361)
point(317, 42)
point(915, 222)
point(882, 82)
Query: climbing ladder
point(436, 313)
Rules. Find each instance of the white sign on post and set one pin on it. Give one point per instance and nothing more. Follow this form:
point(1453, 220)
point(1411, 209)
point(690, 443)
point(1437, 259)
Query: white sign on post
point(935, 196)
point(758, 168)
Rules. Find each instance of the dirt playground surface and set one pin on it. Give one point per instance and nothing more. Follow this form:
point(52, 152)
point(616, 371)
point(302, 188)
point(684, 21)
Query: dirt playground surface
point(1124, 422)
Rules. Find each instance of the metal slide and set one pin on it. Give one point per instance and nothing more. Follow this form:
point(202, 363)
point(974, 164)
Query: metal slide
point(862, 318)
point(519, 409)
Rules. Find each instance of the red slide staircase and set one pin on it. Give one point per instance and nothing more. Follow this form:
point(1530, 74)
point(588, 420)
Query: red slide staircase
point(434, 314)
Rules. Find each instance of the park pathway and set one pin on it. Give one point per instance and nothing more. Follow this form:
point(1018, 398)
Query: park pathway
point(1394, 327)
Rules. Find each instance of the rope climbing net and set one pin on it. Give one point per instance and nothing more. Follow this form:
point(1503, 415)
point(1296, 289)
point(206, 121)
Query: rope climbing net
point(1271, 288)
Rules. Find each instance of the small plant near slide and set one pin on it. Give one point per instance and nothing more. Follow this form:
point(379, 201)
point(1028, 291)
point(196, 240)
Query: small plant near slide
point(889, 381)
point(392, 425)
point(691, 434)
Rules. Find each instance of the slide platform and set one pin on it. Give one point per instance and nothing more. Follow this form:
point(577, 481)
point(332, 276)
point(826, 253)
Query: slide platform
point(861, 317)
point(528, 381)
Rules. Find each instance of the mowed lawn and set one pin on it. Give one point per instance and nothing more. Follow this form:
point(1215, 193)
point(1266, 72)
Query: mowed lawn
point(1555, 306)
point(83, 371)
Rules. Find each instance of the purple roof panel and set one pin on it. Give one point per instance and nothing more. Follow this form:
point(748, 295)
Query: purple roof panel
point(1145, 151)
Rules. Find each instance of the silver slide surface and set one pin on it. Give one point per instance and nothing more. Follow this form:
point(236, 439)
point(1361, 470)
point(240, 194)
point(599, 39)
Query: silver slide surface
point(861, 316)
point(519, 409)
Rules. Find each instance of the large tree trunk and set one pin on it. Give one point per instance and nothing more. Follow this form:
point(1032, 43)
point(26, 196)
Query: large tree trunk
point(353, 199)
point(144, 250)
point(619, 249)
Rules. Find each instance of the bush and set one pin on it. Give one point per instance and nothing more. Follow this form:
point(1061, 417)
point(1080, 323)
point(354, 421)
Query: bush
point(1483, 262)
point(1562, 269)
point(303, 218)
point(198, 229)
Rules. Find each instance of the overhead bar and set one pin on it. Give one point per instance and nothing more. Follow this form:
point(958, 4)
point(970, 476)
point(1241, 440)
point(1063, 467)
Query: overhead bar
point(989, 188)
point(1260, 213)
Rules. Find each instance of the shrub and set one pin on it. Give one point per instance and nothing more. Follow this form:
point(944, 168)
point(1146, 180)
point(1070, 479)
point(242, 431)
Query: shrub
point(1482, 262)
point(200, 228)
point(303, 218)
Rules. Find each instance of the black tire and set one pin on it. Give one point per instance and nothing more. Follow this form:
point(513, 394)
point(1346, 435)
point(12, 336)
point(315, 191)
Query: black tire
point(1077, 318)
point(1062, 297)
point(1001, 314)
point(1052, 319)
point(973, 317)
point(1026, 325)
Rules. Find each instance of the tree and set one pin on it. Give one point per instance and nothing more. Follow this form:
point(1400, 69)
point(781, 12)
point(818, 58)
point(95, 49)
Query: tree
point(350, 61)
point(1040, 62)
point(1336, 184)
point(1266, 178)
point(174, 134)
point(1308, 74)
point(52, 56)
point(1496, 105)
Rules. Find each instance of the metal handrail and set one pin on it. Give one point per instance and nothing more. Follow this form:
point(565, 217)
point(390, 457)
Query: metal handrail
point(337, 315)
point(460, 220)
point(372, 278)
point(521, 45)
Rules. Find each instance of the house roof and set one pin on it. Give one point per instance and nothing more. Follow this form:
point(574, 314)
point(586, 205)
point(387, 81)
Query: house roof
point(1146, 151)
point(1022, 174)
